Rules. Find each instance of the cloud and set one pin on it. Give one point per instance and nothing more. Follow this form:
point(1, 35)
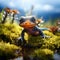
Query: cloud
point(40, 5)
point(48, 7)
point(11, 4)
point(26, 4)
point(45, 7)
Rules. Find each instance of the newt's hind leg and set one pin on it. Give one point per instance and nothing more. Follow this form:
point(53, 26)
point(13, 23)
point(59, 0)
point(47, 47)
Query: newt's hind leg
point(43, 35)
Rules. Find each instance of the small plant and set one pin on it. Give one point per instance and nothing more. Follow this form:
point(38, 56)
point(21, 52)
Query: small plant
point(53, 29)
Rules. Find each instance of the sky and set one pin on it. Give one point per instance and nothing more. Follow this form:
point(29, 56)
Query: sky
point(40, 6)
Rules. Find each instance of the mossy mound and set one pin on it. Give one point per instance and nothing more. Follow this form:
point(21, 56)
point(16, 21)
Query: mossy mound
point(43, 54)
point(8, 50)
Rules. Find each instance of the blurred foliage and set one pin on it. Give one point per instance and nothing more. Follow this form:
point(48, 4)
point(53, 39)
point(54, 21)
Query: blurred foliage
point(35, 41)
point(0, 17)
point(43, 54)
point(51, 43)
point(8, 50)
point(9, 32)
point(58, 33)
point(45, 48)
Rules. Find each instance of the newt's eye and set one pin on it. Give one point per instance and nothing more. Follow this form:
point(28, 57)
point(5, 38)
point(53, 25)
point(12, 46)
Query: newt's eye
point(22, 20)
point(33, 19)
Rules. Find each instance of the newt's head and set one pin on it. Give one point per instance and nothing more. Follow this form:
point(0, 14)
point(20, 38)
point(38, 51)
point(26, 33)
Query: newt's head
point(29, 22)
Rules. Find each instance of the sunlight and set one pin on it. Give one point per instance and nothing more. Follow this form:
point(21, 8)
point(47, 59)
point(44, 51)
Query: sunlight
point(11, 4)
point(48, 7)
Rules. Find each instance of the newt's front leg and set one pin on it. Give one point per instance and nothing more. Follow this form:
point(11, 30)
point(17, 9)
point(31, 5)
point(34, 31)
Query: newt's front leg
point(21, 40)
point(41, 32)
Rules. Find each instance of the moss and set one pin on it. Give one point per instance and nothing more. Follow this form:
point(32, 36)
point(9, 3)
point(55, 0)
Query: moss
point(51, 43)
point(8, 50)
point(9, 32)
point(43, 54)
